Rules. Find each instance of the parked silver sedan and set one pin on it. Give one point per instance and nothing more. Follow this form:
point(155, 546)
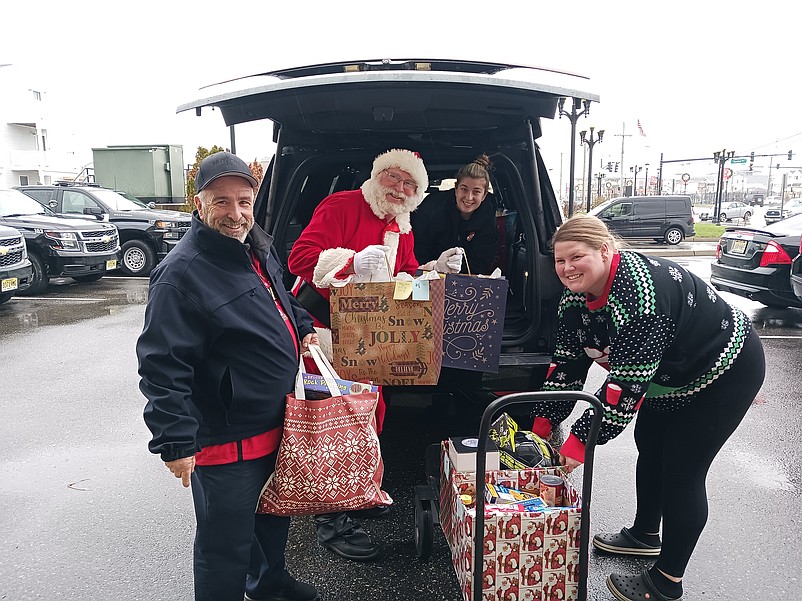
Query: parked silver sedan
point(735, 210)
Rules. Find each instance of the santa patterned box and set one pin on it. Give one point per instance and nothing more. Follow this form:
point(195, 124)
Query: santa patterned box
point(528, 556)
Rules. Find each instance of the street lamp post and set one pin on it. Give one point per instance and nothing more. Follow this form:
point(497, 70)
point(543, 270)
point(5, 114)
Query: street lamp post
point(635, 170)
point(573, 115)
point(591, 143)
point(720, 158)
point(599, 178)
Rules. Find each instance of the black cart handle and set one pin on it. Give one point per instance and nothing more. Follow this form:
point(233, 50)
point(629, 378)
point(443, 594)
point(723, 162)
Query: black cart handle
point(490, 412)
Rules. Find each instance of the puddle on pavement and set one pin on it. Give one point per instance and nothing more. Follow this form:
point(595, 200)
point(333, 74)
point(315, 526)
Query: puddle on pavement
point(68, 303)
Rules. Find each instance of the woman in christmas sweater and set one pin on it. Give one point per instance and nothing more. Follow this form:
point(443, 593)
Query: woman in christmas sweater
point(677, 354)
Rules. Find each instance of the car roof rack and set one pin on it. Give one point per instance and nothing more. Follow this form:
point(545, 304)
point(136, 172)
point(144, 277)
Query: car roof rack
point(68, 183)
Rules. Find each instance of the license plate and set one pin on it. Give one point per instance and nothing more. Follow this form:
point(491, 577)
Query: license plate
point(111, 264)
point(738, 247)
point(9, 284)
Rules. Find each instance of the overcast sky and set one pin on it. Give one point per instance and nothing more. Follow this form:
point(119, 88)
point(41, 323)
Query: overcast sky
point(700, 76)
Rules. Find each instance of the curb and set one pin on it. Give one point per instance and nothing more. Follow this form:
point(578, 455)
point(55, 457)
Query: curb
point(678, 252)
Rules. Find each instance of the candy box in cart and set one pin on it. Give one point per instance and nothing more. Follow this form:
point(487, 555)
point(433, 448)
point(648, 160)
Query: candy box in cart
point(528, 555)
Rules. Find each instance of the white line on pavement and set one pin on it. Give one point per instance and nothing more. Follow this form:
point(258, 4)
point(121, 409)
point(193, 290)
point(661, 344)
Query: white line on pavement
point(60, 298)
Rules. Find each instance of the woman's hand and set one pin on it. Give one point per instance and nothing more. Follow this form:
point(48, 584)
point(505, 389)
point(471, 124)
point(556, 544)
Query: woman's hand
point(569, 465)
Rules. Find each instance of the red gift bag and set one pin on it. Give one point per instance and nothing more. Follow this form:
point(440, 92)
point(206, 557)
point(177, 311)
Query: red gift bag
point(329, 458)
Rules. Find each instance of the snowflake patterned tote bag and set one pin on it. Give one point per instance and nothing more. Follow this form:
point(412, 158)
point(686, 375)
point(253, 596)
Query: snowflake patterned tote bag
point(329, 457)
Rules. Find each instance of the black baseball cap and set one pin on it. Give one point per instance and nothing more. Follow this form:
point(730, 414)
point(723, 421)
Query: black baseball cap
point(220, 164)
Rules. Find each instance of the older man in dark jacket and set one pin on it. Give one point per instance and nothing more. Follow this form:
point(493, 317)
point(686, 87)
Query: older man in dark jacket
point(218, 353)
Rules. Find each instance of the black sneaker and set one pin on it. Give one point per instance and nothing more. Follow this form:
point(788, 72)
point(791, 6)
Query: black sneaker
point(291, 591)
point(354, 544)
point(345, 537)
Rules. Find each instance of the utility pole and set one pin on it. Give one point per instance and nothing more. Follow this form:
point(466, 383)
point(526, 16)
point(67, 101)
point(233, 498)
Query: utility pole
point(623, 135)
point(561, 178)
point(768, 181)
point(720, 158)
point(660, 178)
point(646, 181)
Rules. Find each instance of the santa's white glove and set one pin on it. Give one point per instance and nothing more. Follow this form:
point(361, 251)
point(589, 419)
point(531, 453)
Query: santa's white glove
point(450, 261)
point(371, 259)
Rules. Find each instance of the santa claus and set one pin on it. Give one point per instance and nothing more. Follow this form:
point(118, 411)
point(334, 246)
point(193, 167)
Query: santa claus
point(359, 236)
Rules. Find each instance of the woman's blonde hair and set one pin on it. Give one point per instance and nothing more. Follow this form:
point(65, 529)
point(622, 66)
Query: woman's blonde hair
point(479, 168)
point(586, 229)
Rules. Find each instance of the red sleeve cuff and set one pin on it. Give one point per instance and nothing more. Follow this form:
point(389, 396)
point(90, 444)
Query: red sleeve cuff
point(573, 448)
point(541, 427)
point(344, 272)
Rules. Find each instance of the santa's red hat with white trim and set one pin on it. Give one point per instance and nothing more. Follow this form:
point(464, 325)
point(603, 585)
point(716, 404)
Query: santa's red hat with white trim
point(406, 160)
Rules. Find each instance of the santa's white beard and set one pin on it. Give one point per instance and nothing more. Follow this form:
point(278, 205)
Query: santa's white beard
point(376, 195)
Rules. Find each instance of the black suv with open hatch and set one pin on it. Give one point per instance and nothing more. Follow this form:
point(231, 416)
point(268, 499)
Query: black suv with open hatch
point(331, 120)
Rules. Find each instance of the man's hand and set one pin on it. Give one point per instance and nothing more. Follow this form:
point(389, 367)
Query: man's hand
point(569, 465)
point(450, 261)
point(182, 468)
point(309, 339)
point(371, 259)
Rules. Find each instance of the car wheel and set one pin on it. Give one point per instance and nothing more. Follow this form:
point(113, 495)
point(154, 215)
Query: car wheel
point(747, 216)
point(723, 217)
point(39, 278)
point(673, 235)
point(5, 297)
point(87, 278)
point(138, 258)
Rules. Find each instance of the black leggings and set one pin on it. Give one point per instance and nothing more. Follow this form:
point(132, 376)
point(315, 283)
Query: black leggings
point(676, 448)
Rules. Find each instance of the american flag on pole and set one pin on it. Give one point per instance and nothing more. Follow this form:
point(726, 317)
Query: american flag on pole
point(640, 129)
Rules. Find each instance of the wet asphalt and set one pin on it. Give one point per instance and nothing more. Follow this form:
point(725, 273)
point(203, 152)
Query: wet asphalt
point(88, 513)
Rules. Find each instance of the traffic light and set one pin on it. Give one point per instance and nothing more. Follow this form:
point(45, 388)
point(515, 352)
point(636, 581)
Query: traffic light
point(750, 166)
point(609, 166)
point(751, 157)
point(790, 154)
point(616, 167)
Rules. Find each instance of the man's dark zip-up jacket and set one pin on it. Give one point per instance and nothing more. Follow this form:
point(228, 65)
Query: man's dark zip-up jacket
point(215, 357)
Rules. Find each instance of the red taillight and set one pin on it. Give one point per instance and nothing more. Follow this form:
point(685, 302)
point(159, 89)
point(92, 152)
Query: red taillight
point(718, 250)
point(774, 255)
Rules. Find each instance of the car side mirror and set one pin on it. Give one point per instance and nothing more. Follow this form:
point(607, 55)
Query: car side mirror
point(151, 205)
point(52, 204)
point(96, 211)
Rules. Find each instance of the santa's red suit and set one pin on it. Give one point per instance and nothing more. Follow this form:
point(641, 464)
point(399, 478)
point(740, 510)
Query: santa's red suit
point(344, 223)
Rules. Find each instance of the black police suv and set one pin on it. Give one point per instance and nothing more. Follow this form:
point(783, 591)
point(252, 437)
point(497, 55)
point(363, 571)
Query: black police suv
point(82, 249)
point(146, 234)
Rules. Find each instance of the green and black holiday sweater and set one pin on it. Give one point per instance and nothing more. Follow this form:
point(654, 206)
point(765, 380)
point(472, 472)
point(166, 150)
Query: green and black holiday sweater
point(662, 333)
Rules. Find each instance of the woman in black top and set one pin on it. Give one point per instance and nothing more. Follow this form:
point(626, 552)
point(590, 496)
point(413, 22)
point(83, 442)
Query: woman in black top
point(462, 217)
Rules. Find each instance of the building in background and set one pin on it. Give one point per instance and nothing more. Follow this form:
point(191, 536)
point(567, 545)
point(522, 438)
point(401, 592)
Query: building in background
point(30, 151)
